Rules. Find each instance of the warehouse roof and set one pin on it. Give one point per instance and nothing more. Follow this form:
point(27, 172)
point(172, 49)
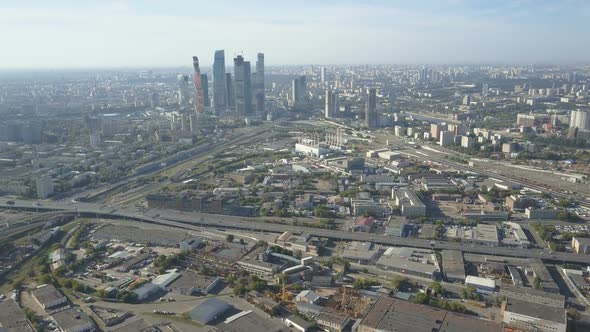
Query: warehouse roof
point(453, 264)
point(72, 319)
point(473, 280)
point(413, 259)
point(532, 309)
point(12, 318)
point(209, 310)
point(47, 294)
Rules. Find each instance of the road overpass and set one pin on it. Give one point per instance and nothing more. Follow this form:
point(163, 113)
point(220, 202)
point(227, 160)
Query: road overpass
point(196, 221)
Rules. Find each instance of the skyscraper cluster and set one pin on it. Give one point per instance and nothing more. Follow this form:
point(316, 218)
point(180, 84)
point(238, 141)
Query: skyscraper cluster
point(244, 92)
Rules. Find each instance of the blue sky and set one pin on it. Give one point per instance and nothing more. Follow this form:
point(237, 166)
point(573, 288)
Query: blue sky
point(154, 33)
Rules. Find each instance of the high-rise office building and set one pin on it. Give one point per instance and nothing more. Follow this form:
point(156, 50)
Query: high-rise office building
point(331, 104)
point(258, 84)
point(242, 86)
point(580, 119)
point(183, 89)
point(323, 77)
point(199, 97)
point(371, 116)
point(229, 91)
point(298, 89)
point(205, 84)
point(220, 95)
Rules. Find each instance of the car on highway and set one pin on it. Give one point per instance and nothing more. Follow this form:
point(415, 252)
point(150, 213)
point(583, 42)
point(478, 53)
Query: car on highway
point(10, 202)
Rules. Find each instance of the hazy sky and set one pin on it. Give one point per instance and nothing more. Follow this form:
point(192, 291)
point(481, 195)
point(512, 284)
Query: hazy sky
point(135, 33)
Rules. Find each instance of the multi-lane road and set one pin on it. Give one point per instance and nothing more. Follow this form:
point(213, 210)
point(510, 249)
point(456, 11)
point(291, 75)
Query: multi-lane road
point(197, 221)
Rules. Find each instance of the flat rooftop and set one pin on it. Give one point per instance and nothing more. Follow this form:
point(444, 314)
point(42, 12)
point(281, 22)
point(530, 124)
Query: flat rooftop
point(72, 319)
point(47, 294)
point(140, 325)
point(533, 309)
point(453, 264)
point(487, 233)
point(412, 259)
point(389, 314)
point(252, 322)
point(12, 318)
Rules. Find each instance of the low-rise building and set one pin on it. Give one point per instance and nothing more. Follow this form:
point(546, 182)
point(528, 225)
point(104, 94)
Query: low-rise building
point(482, 285)
point(412, 261)
point(360, 252)
point(191, 283)
point(537, 269)
point(308, 296)
point(332, 320)
point(453, 265)
point(49, 297)
point(369, 206)
point(298, 323)
point(363, 224)
point(389, 314)
point(531, 316)
point(514, 236)
point(409, 203)
point(12, 318)
point(308, 309)
point(515, 276)
point(73, 320)
point(487, 234)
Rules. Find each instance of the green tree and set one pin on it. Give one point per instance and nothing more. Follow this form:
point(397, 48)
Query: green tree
point(102, 293)
point(436, 287)
point(400, 283)
point(422, 298)
point(229, 238)
point(363, 283)
point(44, 278)
point(537, 283)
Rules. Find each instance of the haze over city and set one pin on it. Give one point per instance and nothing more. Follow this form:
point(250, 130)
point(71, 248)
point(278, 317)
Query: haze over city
point(294, 166)
point(126, 33)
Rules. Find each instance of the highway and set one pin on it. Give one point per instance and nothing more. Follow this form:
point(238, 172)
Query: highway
point(196, 221)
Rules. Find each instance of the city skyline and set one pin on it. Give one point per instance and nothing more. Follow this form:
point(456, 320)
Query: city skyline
point(138, 34)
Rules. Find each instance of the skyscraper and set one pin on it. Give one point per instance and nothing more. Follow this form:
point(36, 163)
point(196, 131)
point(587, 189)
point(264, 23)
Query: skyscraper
point(199, 98)
point(205, 84)
point(580, 119)
point(229, 90)
point(323, 77)
point(371, 117)
point(331, 104)
point(183, 89)
point(242, 86)
point(299, 89)
point(220, 98)
point(258, 84)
